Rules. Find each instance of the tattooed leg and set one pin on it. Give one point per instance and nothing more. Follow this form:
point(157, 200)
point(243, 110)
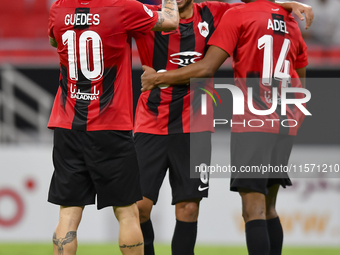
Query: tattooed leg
point(60, 242)
point(65, 234)
point(130, 246)
point(130, 235)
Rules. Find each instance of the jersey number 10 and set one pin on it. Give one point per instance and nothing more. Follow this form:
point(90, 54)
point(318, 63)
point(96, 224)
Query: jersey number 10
point(86, 39)
point(282, 68)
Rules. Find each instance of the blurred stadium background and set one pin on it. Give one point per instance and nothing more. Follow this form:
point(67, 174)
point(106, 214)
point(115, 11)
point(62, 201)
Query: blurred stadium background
point(29, 72)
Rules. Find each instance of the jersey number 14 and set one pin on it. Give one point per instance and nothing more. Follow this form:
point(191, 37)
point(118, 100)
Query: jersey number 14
point(282, 68)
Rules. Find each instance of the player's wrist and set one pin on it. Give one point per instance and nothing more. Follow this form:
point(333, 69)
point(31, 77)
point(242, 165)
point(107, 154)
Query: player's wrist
point(160, 79)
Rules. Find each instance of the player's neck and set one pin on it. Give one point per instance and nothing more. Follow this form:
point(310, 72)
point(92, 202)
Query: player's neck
point(187, 12)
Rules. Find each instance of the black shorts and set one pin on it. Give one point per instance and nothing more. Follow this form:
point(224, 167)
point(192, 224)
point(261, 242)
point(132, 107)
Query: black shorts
point(157, 153)
point(255, 151)
point(90, 163)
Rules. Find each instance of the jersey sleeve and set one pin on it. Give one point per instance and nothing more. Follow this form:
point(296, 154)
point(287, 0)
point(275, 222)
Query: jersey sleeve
point(138, 17)
point(302, 58)
point(51, 21)
point(154, 7)
point(235, 4)
point(228, 31)
point(219, 7)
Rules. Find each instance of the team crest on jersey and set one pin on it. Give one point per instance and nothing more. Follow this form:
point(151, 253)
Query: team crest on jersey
point(203, 27)
point(148, 11)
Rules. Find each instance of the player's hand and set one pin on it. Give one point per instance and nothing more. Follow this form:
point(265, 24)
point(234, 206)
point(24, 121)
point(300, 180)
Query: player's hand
point(148, 78)
point(53, 42)
point(299, 9)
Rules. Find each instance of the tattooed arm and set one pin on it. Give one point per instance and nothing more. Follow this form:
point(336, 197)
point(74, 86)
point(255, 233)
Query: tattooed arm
point(168, 18)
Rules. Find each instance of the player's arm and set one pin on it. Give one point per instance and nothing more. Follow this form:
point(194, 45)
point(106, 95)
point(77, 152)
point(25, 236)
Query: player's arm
point(302, 74)
point(51, 19)
point(168, 17)
point(53, 42)
point(204, 68)
point(299, 9)
point(301, 62)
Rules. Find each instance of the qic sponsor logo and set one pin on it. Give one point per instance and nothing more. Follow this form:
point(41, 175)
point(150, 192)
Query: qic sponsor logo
point(185, 58)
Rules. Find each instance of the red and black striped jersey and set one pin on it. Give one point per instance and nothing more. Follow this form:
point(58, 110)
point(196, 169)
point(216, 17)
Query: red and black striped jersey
point(267, 48)
point(168, 110)
point(94, 46)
